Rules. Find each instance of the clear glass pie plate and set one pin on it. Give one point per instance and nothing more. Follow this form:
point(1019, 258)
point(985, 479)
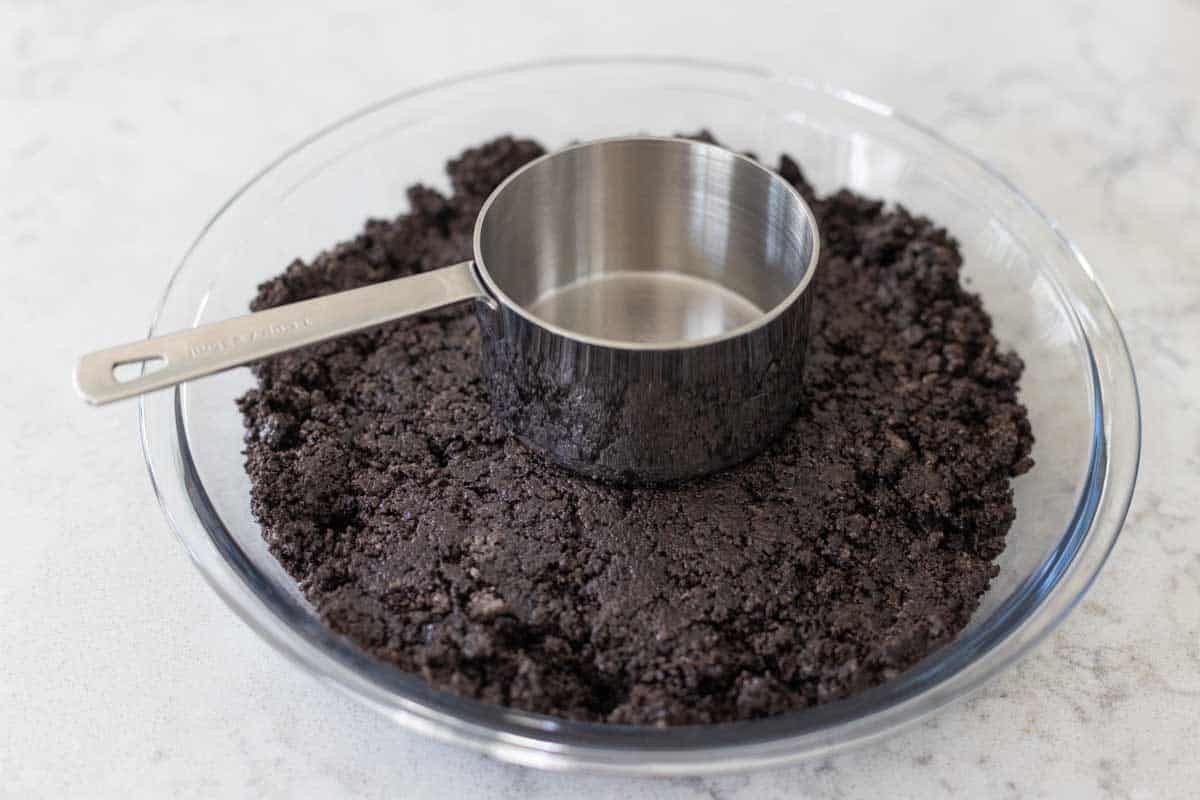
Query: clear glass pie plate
point(1079, 384)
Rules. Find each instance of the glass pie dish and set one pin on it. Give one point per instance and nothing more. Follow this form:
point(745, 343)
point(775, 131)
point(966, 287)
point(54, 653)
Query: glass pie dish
point(1079, 383)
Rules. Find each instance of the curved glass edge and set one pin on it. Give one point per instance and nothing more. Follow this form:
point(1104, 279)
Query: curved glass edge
point(1074, 565)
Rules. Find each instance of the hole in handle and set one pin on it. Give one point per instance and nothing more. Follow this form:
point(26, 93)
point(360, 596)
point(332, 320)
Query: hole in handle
point(126, 371)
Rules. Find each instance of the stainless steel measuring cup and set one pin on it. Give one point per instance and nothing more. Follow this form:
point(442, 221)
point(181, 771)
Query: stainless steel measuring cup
point(641, 302)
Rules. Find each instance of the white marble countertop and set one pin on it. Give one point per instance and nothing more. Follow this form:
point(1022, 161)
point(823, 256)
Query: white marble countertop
point(125, 124)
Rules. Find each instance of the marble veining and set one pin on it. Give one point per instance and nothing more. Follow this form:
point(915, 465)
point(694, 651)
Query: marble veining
point(126, 124)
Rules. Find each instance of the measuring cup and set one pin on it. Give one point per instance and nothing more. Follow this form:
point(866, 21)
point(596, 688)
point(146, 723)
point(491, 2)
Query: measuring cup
point(641, 304)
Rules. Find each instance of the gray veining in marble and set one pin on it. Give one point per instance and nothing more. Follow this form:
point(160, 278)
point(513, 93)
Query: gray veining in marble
point(124, 125)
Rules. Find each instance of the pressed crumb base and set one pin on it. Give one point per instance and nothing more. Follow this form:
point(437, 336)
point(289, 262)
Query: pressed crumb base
point(856, 544)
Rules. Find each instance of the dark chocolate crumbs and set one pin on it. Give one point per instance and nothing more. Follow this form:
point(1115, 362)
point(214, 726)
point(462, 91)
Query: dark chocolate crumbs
point(856, 544)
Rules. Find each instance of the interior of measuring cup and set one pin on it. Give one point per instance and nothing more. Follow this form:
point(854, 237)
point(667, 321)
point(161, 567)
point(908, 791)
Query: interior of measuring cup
point(645, 241)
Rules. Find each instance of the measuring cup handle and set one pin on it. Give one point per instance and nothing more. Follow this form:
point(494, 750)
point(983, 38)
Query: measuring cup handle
point(203, 350)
